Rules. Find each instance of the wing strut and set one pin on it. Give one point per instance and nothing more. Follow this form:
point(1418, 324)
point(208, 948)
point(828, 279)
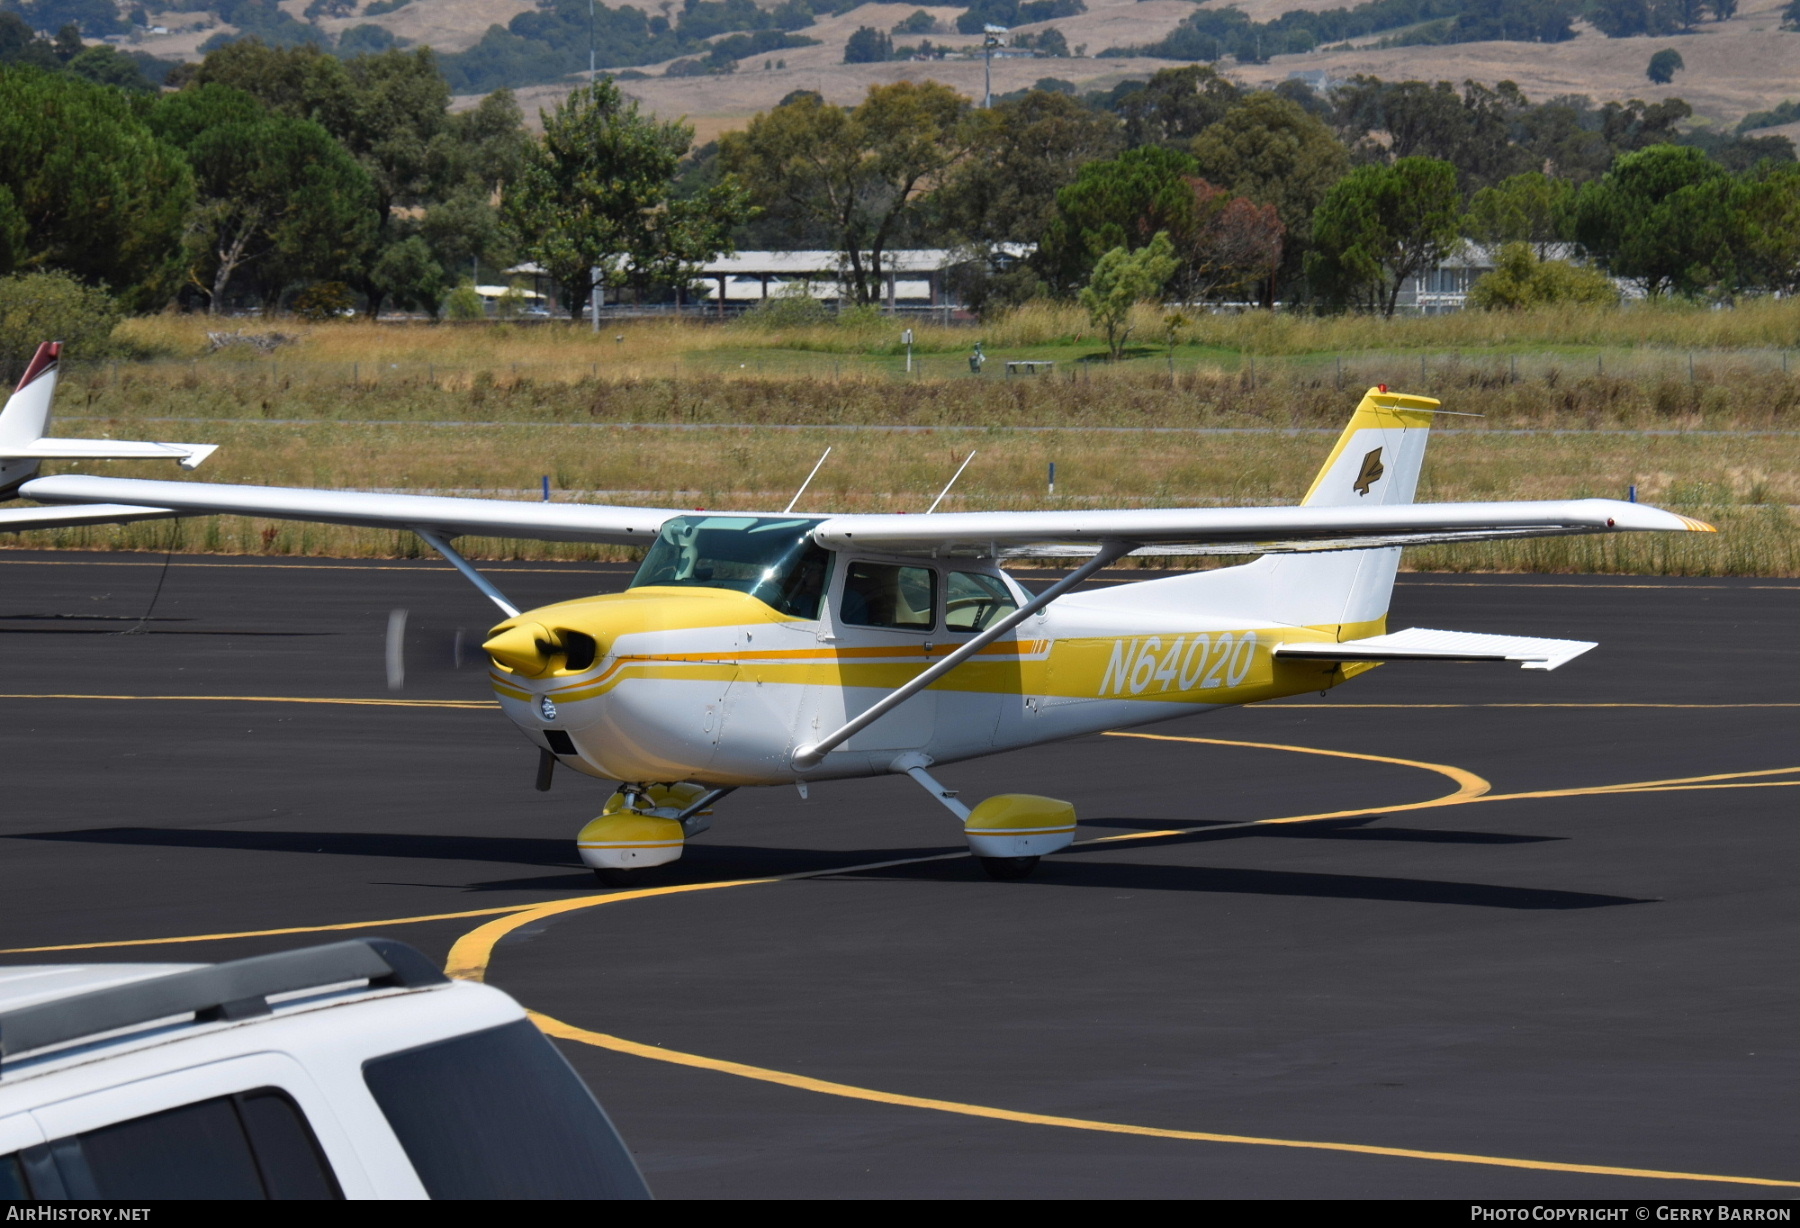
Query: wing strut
point(463, 565)
point(812, 754)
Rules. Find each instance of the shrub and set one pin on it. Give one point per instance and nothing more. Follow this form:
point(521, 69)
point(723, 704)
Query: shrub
point(787, 311)
point(463, 303)
point(325, 300)
point(37, 307)
point(1520, 280)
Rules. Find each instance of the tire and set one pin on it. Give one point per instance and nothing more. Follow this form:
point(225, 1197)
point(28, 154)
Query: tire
point(1008, 869)
point(635, 877)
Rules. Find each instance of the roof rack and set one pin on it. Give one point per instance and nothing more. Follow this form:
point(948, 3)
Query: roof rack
point(235, 990)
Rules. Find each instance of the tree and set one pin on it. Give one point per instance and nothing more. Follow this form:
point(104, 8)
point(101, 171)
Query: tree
point(409, 275)
point(1520, 279)
point(278, 202)
point(1472, 130)
point(597, 195)
point(1560, 140)
point(861, 173)
point(1123, 202)
point(1663, 217)
point(99, 196)
point(868, 46)
point(1269, 150)
point(1174, 106)
point(1237, 244)
point(1530, 208)
point(1121, 280)
point(1768, 202)
point(1023, 152)
point(1381, 225)
point(1663, 66)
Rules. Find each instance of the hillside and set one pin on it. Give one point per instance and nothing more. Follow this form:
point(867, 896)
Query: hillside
point(1746, 63)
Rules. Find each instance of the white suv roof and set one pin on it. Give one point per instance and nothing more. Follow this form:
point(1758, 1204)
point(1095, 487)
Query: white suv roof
point(354, 1069)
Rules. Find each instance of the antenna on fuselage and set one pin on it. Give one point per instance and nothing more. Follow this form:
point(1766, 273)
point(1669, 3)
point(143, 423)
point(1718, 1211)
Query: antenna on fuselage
point(949, 484)
point(808, 482)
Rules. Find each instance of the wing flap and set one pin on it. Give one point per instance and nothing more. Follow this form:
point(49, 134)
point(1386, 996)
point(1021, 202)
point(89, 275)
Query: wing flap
point(1421, 644)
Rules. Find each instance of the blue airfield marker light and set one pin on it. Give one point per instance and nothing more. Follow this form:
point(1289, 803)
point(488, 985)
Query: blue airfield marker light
point(1632, 493)
point(546, 488)
point(1052, 477)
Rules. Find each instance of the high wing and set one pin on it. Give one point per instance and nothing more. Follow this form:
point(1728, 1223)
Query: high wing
point(1245, 530)
point(1259, 530)
point(139, 499)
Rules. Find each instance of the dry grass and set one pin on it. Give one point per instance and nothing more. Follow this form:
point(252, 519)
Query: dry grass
point(1742, 481)
point(1601, 390)
point(680, 414)
point(644, 348)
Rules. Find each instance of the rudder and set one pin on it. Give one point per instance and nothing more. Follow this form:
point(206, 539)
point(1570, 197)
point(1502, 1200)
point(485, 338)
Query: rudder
point(26, 417)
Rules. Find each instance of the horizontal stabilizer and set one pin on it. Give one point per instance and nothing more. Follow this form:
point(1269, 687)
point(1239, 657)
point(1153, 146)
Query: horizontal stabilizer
point(1420, 644)
point(189, 454)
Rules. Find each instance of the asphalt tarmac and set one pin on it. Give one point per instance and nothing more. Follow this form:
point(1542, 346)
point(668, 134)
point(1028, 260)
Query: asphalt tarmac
point(1501, 965)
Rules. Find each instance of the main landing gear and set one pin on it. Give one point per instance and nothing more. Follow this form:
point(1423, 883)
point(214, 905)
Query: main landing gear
point(1009, 832)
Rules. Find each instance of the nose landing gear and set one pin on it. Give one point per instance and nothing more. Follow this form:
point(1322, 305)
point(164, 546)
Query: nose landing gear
point(644, 826)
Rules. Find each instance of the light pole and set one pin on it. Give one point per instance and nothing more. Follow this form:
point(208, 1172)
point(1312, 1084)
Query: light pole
point(991, 37)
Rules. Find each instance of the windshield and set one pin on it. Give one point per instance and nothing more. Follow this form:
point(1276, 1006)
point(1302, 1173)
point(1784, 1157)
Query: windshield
point(769, 557)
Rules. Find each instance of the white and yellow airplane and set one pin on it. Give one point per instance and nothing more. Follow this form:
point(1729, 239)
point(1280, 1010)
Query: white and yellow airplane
point(783, 649)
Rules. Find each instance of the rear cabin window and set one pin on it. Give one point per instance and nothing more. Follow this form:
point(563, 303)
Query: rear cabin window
point(500, 1114)
point(889, 595)
point(254, 1145)
point(769, 557)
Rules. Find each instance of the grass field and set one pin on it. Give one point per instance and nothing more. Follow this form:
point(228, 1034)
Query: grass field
point(684, 415)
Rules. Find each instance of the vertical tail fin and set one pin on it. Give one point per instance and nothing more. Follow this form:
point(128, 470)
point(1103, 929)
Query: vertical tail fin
point(1376, 462)
point(26, 417)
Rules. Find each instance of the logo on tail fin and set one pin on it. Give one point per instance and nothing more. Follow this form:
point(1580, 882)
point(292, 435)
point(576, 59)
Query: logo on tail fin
point(1371, 473)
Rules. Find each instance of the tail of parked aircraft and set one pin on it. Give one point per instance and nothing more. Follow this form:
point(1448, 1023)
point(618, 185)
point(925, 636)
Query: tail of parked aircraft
point(25, 425)
point(1375, 462)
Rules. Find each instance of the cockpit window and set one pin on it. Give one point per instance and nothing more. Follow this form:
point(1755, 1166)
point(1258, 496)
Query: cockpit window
point(769, 557)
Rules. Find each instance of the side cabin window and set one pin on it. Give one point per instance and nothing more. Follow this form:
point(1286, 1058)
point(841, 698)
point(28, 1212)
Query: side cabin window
point(974, 601)
point(889, 595)
point(770, 557)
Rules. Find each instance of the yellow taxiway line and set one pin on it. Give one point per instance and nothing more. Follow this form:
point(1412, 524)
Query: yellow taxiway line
point(472, 954)
point(564, 1031)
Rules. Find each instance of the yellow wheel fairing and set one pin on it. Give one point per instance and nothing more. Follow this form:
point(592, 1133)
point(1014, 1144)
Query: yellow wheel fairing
point(629, 840)
point(1020, 825)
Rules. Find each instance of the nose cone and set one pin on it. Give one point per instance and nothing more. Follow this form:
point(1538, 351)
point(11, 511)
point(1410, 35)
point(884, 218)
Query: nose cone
point(524, 648)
